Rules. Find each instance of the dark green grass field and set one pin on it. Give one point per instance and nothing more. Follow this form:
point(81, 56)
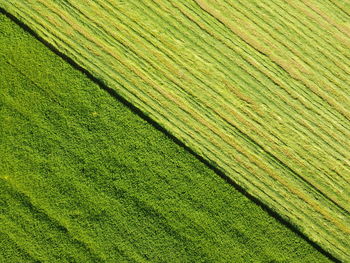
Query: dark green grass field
point(84, 179)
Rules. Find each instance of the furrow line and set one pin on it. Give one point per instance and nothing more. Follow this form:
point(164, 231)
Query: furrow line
point(322, 35)
point(294, 73)
point(325, 17)
point(302, 53)
point(100, 25)
point(315, 18)
point(341, 7)
point(291, 28)
point(177, 92)
point(165, 94)
point(281, 84)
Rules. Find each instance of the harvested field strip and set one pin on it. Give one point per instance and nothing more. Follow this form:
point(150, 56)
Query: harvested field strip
point(279, 37)
point(260, 90)
point(84, 179)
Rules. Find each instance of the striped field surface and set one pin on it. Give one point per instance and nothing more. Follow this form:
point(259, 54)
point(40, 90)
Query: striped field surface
point(261, 89)
point(85, 179)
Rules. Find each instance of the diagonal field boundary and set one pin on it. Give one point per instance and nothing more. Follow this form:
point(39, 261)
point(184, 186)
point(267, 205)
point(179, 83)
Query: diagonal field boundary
point(220, 89)
point(156, 125)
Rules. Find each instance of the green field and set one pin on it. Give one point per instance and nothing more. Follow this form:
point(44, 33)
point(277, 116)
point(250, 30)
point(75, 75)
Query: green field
point(260, 89)
point(84, 179)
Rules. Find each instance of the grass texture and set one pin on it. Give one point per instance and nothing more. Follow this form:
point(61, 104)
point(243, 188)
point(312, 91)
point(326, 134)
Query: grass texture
point(258, 88)
point(84, 179)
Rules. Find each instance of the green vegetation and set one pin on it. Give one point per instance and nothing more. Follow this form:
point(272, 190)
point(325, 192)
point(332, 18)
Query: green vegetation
point(258, 88)
point(84, 179)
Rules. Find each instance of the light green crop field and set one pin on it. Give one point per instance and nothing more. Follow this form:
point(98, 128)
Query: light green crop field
point(84, 179)
point(261, 89)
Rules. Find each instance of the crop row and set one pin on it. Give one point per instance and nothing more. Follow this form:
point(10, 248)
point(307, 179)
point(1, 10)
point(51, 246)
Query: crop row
point(256, 89)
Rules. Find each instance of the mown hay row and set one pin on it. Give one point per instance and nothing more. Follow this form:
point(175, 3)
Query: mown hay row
point(267, 107)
